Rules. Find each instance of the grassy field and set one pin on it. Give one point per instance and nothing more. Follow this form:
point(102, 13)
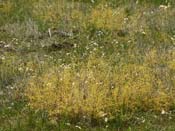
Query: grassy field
point(87, 65)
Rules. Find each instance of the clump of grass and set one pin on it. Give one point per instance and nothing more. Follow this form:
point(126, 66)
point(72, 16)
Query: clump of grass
point(96, 90)
point(8, 70)
point(26, 30)
point(107, 18)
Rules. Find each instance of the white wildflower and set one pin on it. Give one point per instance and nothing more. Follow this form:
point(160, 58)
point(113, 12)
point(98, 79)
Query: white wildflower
point(95, 43)
point(143, 32)
point(163, 7)
point(2, 57)
point(67, 54)
point(75, 45)
point(129, 41)
point(78, 127)
point(137, 1)
point(143, 121)
point(101, 113)
point(106, 119)
point(6, 46)
point(73, 83)
point(68, 124)
point(20, 69)
point(9, 107)
point(163, 112)
point(92, 1)
point(12, 87)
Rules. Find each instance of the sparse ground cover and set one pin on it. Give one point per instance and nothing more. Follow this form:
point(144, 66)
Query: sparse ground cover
point(87, 65)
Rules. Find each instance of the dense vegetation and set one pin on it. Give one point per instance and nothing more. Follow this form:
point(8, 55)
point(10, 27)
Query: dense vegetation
point(87, 65)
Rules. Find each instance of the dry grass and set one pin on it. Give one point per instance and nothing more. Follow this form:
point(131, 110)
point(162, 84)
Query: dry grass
point(96, 89)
